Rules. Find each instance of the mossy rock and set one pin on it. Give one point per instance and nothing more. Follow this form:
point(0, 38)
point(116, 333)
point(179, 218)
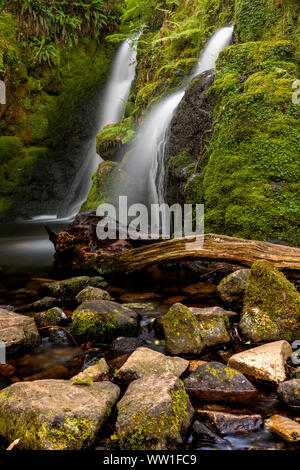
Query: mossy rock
point(113, 138)
point(52, 317)
point(68, 289)
point(271, 309)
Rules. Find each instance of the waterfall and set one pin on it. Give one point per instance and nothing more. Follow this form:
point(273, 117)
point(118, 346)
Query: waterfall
point(148, 153)
point(111, 110)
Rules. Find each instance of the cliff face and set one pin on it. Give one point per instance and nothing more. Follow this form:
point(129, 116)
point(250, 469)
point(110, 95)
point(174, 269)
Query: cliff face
point(249, 172)
point(53, 73)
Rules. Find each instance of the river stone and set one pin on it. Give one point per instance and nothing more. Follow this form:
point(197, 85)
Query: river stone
point(92, 293)
point(69, 288)
point(93, 373)
point(289, 392)
point(44, 304)
point(52, 317)
point(182, 331)
point(123, 345)
point(154, 414)
point(213, 328)
point(266, 362)
point(54, 414)
point(57, 336)
point(232, 288)
point(271, 308)
point(141, 307)
point(286, 428)
point(17, 331)
point(212, 312)
point(205, 433)
point(216, 382)
point(227, 423)
point(145, 362)
point(100, 321)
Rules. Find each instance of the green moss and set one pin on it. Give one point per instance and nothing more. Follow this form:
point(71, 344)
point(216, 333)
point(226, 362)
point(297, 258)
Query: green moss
point(111, 139)
point(90, 326)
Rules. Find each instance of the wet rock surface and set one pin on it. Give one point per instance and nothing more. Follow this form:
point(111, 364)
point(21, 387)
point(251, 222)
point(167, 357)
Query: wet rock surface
point(227, 423)
point(123, 345)
point(145, 362)
point(265, 362)
point(54, 316)
point(232, 288)
point(69, 288)
point(92, 293)
point(286, 428)
point(93, 373)
point(289, 392)
point(215, 382)
point(155, 413)
point(205, 433)
point(17, 331)
point(55, 415)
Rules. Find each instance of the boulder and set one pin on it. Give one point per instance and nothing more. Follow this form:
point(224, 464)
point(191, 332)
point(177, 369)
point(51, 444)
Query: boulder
point(123, 345)
point(53, 317)
point(154, 414)
point(205, 433)
point(145, 362)
point(92, 293)
point(100, 321)
point(44, 304)
point(54, 414)
point(271, 308)
point(265, 362)
point(216, 382)
point(212, 312)
point(182, 331)
point(286, 428)
point(141, 307)
point(213, 328)
point(227, 423)
point(289, 392)
point(232, 288)
point(93, 373)
point(17, 331)
point(69, 288)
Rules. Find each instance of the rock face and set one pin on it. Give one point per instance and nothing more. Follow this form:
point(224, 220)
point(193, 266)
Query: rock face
point(232, 288)
point(265, 362)
point(55, 415)
point(69, 288)
point(145, 362)
point(52, 317)
point(227, 423)
point(182, 331)
point(154, 414)
point(289, 392)
point(284, 427)
point(216, 382)
point(100, 321)
point(93, 373)
point(17, 331)
point(92, 293)
point(205, 433)
point(271, 306)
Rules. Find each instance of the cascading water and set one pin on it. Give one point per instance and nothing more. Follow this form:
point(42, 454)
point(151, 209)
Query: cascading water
point(111, 111)
point(148, 154)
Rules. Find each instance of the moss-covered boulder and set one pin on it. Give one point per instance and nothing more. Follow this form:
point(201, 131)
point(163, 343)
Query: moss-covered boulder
point(154, 414)
point(52, 317)
point(68, 289)
point(17, 331)
point(100, 321)
point(182, 331)
point(114, 138)
point(217, 382)
point(214, 330)
point(271, 308)
point(232, 288)
point(54, 414)
point(92, 293)
point(145, 362)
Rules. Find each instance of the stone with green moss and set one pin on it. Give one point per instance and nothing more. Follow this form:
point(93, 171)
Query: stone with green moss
point(271, 308)
point(232, 288)
point(214, 381)
point(154, 414)
point(68, 289)
point(113, 137)
point(53, 317)
point(100, 321)
point(17, 332)
point(182, 331)
point(54, 414)
point(92, 293)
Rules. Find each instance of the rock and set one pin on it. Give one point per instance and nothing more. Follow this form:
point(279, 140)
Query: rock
point(205, 434)
point(200, 289)
point(54, 414)
point(143, 296)
point(154, 414)
point(212, 312)
point(94, 373)
point(174, 300)
point(57, 336)
point(297, 373)
point(271, 308)
point(17, 331)
point(52, 317)
point(194, 364)
point(145, 362)
point(7, 370)
point(227, 423)
point(213, 328)
point(92, 293)
point(265, 362)
point(141, 307)
point(69, 288)
point(232, 288)
point(216, 382)
point(289, 392)
point(100, 321)
point(182, 331)
point(44, 304)
point(57, 372)
point(124, 345)
point(284, 427)
point(10, 308)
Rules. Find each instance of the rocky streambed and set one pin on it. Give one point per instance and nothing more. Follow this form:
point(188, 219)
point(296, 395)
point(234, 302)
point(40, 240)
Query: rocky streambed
point(108, 365)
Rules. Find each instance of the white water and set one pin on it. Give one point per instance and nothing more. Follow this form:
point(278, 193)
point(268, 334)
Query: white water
point(111, 110)
point(148, 155)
